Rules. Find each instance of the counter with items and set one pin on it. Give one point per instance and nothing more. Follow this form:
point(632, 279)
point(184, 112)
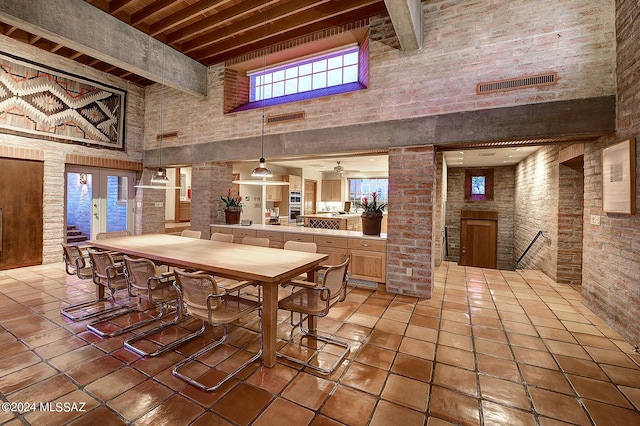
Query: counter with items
point(350, 222)
point(368, 252)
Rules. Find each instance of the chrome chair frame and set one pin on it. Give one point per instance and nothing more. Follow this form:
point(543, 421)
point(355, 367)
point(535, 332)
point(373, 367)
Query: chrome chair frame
point(325, 298)
point(219, 297)
point(82, 270)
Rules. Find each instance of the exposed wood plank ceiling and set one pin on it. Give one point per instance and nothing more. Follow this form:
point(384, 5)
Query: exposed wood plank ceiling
point(213, 31)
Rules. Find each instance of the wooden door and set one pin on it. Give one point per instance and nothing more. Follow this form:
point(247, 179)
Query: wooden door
point(310, 195)
point(479, 242)
point(21, 189)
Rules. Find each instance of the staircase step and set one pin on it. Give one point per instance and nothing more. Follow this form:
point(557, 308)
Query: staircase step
point(76, 239)
point(73, 232)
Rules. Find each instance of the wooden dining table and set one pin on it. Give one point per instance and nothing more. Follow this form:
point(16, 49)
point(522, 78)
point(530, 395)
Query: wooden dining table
point(267, 267)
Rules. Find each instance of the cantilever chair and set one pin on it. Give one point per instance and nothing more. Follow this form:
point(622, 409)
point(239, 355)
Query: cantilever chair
point(315, 300)
point(225, 238)
point(147, 281)
point(144, 280)
point(207, 301)
point(112, 234)
point(191, 234)
point(104, 271)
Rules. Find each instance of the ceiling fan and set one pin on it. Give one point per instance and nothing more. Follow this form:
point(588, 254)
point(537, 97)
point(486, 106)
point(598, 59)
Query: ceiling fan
point(342, 171)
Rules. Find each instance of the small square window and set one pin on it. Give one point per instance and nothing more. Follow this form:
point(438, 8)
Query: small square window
point(478, 185)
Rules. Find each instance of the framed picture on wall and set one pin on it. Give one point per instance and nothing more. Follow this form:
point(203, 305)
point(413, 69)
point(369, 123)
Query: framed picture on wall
point(618, 177)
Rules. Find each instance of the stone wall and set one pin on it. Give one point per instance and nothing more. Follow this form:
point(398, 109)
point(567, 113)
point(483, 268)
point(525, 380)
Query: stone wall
point(536, 209)
point(503, 203)
point(570, 212)
point(56, 155)
point(611, 264)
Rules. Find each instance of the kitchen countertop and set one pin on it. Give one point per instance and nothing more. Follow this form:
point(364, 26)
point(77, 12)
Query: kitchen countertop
point(330, 215)
point(305, 230)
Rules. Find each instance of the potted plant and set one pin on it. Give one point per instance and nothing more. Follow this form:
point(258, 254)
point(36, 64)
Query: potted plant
point(232, 208)
point(371, 214)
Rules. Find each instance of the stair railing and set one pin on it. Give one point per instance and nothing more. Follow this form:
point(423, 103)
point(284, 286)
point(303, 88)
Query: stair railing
point(538, 235)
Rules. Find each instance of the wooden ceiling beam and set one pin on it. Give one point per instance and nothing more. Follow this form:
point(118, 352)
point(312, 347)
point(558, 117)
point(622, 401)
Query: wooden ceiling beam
point(302, 21)
point(151, 10)
point(116, 6)
point(211, 56)
point(256, 23)
point(222, 17)
point(184, 15)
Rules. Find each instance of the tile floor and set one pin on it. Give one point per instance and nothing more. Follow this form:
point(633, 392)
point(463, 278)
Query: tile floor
point(491, 347)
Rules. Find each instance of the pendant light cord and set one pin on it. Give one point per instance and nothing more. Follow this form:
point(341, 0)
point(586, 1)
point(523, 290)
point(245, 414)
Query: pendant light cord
point(264, 69)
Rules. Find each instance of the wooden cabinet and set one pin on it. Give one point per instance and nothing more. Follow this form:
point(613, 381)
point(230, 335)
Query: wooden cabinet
point(276, 239)
point(331, 190)
point(274, 192)
point(239, 234)
point(335, 247)
point(368, 259)
point(295, 183)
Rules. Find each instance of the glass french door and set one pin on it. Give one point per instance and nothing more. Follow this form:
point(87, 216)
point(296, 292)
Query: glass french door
point(98, 200)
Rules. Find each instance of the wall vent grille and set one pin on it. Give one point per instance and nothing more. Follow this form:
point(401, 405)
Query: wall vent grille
point(517, 83)
point(275, 119)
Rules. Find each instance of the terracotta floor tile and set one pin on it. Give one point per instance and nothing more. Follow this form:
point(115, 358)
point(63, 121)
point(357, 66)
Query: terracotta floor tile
point(78, 399)
point(391, 326)
point(598, 390)
point(422, 333)
point(579, 327)
point(424, 321)
point(496, 414)
point(175, 411)
point(604, 414)
point(17, 362)
point(547, 379)
point(412, 367)
point(407, 392)
point(26, 377)
point(376, 357)
point(633, 394)
point(455, 340)
point(365, 378)
point(140, 399)
point(615, 357)
point(458, 379)
point(384, 340)
point(94, 369)
point(44, 391)
point(417, 348)
point(281, 409)
point(243, 403)
point(533, 357)
point(457, 357)
point(102, 416)
point(387, 413)
point(454, 407)
point(595, 341)
point(74, 357)
point(116, 383)
point(568, 349)
point(558, 406)
point(488, 347)
point(504, 392)
point(498, 367)
point(349, 406)
point(561, 335)
point(492, 334)
point(210, 419)
point(272, 379)
point(580, 367)
point(308, 390)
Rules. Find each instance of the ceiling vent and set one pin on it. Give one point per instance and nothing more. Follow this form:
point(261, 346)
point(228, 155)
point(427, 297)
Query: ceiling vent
point(517, 83)
point(275, 119)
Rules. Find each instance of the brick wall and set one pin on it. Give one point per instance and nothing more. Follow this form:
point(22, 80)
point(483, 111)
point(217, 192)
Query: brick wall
point(503, 203)
point(56, 154)
point(570, 211)
point(611, 264)
point(464, 43)
point(536, 209)
point(208, 182)
point(412, 186)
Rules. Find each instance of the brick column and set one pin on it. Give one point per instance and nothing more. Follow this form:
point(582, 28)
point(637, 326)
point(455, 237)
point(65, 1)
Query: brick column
point(412, 184)
point(152, 217)
point(208, 182)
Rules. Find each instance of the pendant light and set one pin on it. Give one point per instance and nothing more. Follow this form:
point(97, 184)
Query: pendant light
point(262, 170)
point(160, 180)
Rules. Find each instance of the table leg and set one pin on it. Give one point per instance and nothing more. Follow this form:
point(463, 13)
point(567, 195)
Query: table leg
point(269, 323)
point(99, 291)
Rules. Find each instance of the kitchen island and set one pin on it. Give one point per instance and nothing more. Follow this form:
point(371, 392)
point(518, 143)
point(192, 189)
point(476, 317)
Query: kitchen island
point(368, 253)
point(345, 222)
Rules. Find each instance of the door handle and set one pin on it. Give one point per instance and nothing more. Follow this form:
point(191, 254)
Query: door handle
point(96, 215)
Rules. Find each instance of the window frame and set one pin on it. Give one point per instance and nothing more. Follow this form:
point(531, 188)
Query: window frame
point(469, 174)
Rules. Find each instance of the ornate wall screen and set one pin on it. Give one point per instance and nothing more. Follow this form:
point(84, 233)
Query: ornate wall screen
point(39, 101)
